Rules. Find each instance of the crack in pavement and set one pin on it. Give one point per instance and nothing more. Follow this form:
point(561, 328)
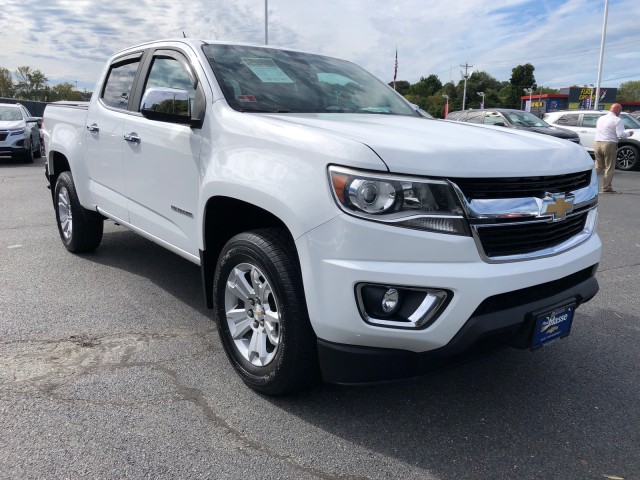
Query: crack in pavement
point(52, 369)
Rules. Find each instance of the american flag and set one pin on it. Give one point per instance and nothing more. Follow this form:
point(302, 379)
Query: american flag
point(395, 71)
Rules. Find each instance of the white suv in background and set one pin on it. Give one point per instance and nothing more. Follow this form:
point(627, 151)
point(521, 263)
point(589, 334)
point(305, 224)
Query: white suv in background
point(583, 122)
point(19, 133)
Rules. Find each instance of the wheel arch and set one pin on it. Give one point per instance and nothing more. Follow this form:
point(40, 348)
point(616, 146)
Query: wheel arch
point(56, 164)
point(225, 217)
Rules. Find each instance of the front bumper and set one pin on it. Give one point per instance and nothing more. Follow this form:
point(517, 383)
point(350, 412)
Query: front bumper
point(340, 254)
point(501, 320)
point(13, 146)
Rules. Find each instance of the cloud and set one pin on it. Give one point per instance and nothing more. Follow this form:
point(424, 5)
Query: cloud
point(69, 40)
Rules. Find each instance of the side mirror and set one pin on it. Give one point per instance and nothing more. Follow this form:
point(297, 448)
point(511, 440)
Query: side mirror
point(499, 124)
point(167, 105)
point(33, 120)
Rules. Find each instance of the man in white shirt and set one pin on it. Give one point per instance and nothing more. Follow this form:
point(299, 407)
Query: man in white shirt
point(609, 129)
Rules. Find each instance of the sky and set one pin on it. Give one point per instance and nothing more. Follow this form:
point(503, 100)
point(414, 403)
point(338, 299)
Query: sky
point(70, 40)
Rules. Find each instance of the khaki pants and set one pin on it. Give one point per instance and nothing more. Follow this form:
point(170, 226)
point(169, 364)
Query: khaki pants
point(606, 153)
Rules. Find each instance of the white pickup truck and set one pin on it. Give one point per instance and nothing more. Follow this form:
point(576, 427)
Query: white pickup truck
point(339, 233)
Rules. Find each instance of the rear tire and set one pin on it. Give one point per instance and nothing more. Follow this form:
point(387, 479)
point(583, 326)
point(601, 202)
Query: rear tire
point(80, 229)
point(28, 154)
point(38, 152)
point(628, 158)
point(261, 313)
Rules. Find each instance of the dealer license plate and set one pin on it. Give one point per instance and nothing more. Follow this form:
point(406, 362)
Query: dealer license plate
point(552, 325)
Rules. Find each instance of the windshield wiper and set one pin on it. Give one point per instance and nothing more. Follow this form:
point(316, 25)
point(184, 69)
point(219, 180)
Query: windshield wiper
point(260, 110)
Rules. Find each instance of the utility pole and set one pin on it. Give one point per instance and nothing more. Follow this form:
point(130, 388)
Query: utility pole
point(465, 75)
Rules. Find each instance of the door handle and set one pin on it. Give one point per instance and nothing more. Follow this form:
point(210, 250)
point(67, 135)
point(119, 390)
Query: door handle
point(132, 137)
point(93, 128)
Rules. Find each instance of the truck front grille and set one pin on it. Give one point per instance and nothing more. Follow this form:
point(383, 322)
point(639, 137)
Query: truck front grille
point(521, 218)
point(3, 136)
point(525, 238)
point(519, 187)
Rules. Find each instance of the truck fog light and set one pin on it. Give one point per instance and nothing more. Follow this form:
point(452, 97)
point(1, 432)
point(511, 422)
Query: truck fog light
point(390, 300)
point(400, 307)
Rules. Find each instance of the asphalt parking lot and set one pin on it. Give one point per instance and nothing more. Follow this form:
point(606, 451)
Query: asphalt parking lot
point(110, 367)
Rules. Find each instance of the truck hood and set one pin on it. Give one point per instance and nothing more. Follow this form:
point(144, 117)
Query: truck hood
point(422, 146)
point(553, 131)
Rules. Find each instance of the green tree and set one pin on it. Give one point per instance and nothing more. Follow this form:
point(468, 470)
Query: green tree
point(629, 91)
point(7, 88)
point(521, 77)
point(38, 82)
point(30, 83)
point(402, 86)
point(425, 87)
point(65, 91)
point(479, 82)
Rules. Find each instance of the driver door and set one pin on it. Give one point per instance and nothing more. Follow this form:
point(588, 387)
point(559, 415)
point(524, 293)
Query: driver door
point(162, 162)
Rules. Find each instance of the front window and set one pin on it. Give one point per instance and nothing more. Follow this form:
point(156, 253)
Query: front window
point(629, 121)
point(525, 119)
point(263, 79)
point(168, 72)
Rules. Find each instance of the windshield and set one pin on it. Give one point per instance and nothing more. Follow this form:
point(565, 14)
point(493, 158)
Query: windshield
point(269, 80)
point(629, 121)
point(525, 119)
point(10, 114)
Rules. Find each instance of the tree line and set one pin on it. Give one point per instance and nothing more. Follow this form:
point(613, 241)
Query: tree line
point(429, 92)
point(32, 84)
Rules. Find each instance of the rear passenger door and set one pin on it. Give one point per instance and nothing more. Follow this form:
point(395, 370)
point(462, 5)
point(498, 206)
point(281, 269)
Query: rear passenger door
point(571, 121)
point(588, 130)
point(105, 120)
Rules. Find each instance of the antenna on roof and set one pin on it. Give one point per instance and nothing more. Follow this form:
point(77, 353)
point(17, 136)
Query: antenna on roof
point(184, 34)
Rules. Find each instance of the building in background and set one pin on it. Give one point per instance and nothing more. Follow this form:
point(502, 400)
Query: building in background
point(572, 98)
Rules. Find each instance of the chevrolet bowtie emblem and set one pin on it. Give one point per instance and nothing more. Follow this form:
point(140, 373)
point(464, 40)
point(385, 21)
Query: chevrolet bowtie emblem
point(557, 205)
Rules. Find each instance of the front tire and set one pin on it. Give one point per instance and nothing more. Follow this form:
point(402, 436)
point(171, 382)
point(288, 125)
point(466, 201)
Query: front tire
point(261, 313)
point(80, 229)
point(628, 158)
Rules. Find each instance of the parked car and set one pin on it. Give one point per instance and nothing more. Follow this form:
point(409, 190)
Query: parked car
point(635, 115)
point(19, 133)
point(583, 122)
point(510, 118)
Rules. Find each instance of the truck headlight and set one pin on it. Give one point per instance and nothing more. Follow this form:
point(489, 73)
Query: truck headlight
point(19, 131)
point(417, 203)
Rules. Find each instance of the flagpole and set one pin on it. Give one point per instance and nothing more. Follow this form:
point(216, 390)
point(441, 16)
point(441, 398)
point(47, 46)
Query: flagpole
point(266, 22)
point(395, 70)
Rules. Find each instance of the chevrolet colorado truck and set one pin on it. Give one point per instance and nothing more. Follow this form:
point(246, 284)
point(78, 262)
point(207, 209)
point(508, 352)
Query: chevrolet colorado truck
point(340, 234)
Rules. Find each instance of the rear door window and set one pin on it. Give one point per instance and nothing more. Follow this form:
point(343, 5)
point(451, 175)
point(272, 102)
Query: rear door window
point(589, 120)
point(119, 83)
point(474, 117)
point(494, 118)
point(570, 120)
